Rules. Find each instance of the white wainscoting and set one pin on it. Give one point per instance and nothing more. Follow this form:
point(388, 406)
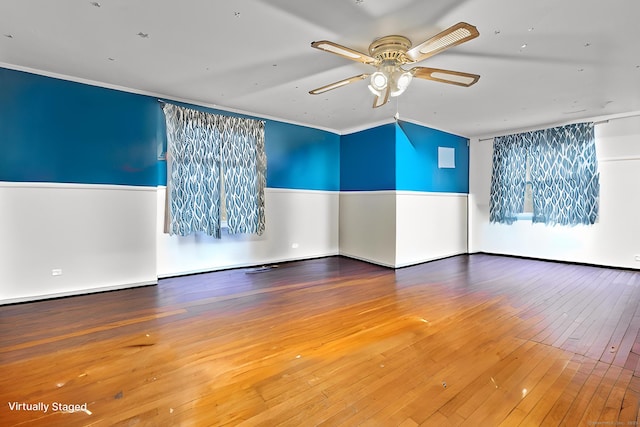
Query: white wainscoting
point(429, 226)
point(300, 224)
point(368, 226)
point(99, 237)
point(613, 241)
point(401, 228)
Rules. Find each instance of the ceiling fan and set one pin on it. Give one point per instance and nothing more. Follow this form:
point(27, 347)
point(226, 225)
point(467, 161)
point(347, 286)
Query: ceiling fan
point(388, 54)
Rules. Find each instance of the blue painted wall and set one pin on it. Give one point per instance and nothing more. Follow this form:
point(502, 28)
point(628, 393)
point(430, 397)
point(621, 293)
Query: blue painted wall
point(402, 156)
point(57, 131)
point(417, 160)
point(367, 160)
point(53, 130)
point(302, 158)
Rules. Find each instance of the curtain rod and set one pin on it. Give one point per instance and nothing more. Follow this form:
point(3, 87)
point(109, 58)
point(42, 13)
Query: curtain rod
point(535, 130)
point(594, 123)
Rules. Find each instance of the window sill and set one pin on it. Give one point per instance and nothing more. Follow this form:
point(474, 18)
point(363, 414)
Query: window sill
point(524, 216)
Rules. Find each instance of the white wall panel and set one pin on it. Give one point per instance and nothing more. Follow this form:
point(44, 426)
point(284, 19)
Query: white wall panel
point(100, 237)
point(430, 226)
point(300, 224)
point(368, 226)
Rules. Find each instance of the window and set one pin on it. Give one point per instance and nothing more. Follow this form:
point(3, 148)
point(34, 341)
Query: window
point(223, 200)
point(549, 175)
point(527, 208)
point(216, 171)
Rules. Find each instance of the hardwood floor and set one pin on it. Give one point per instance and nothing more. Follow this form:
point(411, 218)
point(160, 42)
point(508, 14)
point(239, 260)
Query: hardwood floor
point(473, 340)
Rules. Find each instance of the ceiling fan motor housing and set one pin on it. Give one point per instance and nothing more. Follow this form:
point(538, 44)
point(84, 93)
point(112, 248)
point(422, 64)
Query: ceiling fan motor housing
point(390, 50)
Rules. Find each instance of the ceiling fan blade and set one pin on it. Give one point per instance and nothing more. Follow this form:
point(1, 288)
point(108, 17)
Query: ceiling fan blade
point(452, 36)
point(338, 84)
point(445, 76)
point(343, 51)
point(382, 99)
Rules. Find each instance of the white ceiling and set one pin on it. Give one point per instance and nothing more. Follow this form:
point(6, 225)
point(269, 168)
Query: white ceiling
point(581, 59)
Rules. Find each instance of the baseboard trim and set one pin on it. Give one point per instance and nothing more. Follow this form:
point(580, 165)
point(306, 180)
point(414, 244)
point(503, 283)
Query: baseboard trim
point(245, 265)
point(401, 265)
point(56, 295)
point(369, 260)
point(437, 258)
point(561, 261)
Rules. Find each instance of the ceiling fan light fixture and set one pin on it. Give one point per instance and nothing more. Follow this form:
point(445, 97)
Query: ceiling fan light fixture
point(400, 82)
point(379, 81)
point(405, 79)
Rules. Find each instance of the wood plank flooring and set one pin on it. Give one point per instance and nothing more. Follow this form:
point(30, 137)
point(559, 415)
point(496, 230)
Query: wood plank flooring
point(475, 340)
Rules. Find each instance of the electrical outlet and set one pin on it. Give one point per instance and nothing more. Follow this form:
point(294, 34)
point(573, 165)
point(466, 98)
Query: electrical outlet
point(637, 257)
point(56, 272)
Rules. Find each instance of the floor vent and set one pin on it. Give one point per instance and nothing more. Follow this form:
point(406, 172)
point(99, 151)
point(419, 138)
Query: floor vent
point(262, 269)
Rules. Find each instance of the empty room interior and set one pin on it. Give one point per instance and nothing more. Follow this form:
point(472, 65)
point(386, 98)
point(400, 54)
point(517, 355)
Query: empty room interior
point(339, 213)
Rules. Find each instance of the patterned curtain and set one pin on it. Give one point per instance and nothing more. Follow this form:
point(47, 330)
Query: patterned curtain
point(564, 172)
point(508, 179)
point(193, 172)
point(245, 166)
point(564, 175)
point(198, 145)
